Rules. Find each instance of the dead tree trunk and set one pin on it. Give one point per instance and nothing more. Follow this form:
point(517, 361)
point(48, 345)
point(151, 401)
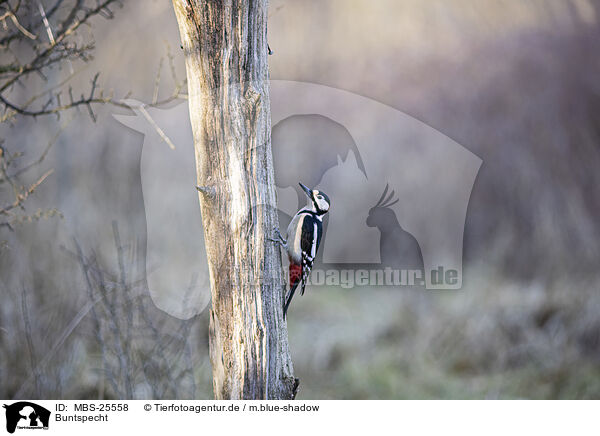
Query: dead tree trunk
point(225, 45)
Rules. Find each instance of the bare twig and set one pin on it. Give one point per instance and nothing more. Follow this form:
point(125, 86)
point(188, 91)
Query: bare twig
point(11, 14)
point(46, 23)
point(162, 134)
point(23, 196)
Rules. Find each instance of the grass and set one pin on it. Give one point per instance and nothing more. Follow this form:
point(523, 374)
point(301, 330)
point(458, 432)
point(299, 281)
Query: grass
point(493, 339)
point(498, 340)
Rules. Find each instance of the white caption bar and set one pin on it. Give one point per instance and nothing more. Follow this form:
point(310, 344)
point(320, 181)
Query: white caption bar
point(299, 417)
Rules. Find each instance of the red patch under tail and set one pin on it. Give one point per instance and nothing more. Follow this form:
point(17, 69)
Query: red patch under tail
point(295, 274)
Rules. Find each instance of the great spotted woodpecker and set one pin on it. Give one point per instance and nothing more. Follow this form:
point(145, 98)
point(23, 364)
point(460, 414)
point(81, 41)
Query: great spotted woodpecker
point(304, 235)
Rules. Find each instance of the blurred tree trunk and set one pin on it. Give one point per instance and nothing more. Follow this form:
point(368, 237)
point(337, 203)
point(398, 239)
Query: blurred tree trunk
point(225, 45)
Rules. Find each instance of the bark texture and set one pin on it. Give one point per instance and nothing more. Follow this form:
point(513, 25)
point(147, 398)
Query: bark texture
point(225, 44)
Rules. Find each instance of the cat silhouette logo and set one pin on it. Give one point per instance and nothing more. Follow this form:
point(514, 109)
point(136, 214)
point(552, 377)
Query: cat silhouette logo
point(26, 415)
point(399, 189)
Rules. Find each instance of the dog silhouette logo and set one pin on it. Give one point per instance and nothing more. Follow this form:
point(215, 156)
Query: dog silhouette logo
point(26, 415)
point(321, 141)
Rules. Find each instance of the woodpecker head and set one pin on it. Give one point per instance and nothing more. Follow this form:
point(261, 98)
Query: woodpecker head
point(318, 200)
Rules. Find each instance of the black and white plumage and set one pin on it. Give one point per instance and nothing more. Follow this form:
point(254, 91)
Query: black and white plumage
point(304, 236)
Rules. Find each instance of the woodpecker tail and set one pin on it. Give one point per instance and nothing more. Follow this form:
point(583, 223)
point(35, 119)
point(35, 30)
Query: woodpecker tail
point(295, 275)
point(289, 299)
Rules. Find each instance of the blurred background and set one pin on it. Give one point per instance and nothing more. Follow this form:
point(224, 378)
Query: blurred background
point(517, 83)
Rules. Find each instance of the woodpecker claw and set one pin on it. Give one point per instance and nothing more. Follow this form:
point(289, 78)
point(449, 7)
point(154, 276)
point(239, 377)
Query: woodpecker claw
point(279, 239)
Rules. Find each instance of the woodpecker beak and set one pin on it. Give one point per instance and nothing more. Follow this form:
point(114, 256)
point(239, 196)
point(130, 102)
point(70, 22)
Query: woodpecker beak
point(306, 190)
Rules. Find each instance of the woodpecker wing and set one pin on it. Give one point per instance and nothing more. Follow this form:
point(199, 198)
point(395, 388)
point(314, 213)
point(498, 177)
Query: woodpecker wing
point(311, 238)
point(307, 230)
